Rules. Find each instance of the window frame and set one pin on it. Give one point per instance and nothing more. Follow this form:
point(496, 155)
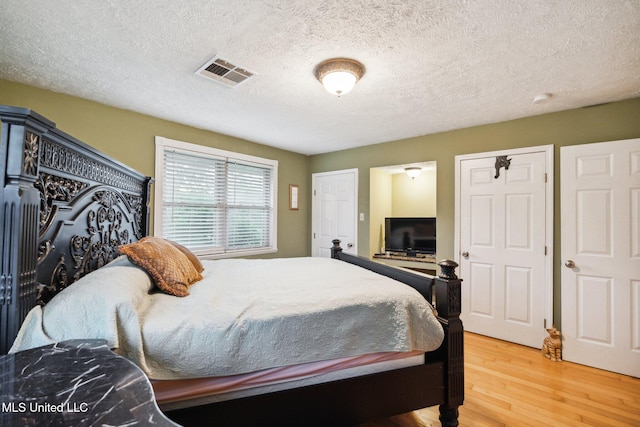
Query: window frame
point(163, 144)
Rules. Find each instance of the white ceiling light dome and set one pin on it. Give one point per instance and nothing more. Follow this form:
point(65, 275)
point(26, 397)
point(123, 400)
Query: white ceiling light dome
point(413, 171)
point(339, 75)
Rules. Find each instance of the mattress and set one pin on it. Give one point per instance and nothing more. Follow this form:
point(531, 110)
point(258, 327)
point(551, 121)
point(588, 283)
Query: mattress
point(178, 394)
point(243, 316)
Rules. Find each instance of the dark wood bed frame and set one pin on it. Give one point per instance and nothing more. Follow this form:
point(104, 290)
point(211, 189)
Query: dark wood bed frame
point(65, 209)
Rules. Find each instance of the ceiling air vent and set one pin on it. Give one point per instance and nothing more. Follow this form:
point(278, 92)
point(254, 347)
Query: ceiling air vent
point(222, 71)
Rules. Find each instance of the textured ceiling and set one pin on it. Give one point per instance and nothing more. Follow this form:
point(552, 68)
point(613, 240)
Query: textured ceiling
point(432, 65)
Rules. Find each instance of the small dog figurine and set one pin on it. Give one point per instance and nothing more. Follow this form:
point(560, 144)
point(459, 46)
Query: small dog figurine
point(552, 345)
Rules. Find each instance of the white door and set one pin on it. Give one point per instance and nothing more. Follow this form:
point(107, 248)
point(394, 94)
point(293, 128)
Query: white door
point(504, 246)
point(601, 255)
point(334, 211)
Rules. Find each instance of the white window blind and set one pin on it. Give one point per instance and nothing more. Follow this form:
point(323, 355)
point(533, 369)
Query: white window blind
point(215, 203)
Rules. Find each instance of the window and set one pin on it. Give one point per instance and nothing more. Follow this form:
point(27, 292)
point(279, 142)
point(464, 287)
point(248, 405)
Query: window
point(215, 202)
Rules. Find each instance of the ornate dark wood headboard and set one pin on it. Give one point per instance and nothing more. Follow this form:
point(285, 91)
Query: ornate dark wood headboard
point(65, 209)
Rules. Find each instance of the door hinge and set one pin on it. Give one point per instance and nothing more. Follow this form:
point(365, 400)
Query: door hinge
point(545, 177)
point(545, 250)
point(545, 323)
point(314, 235)
point(314, 192)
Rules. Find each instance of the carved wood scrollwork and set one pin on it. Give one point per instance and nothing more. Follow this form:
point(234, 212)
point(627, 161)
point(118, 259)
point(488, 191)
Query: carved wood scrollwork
point(59, 281)
point(56, 157)
point(52, 189)
point(44, 249)
point(31, 147)
point(108, 225)
point(136, 203)
point(455, 300)
point(106, 233)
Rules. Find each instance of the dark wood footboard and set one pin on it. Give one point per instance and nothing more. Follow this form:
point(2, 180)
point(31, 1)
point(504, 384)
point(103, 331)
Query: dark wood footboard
point(444, 293)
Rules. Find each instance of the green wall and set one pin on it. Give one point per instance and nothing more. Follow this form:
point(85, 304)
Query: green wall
point(414, 197)
point(130, 138)
point(608, 122)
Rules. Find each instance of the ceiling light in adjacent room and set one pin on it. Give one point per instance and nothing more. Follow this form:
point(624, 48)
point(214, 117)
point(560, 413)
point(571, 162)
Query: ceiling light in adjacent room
point(543, 97)
point(339, 75)
point(413, 172)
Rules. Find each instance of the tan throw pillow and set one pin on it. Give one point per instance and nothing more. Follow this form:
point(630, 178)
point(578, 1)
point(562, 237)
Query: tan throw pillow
point(192, 257)
point(169, 268)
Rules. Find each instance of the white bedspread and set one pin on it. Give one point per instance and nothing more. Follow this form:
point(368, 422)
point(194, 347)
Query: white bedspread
point(245, 315)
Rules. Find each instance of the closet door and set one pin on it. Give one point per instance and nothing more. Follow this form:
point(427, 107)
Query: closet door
point(601, 255)
point(503, 250)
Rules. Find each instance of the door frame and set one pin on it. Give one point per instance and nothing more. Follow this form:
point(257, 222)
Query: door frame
point(549, 153)
point(314, 217)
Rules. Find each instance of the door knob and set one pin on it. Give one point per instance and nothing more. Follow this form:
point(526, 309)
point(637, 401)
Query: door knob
point(569, 264)
point(349, 245)
point(465, 254)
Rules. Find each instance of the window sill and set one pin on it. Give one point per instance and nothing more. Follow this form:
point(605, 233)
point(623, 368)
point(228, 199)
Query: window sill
point(236, 254)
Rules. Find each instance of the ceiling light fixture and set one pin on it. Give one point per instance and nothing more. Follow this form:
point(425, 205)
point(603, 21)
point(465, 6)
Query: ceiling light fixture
point(413, 172)
point(339, 75)
point(543, 97)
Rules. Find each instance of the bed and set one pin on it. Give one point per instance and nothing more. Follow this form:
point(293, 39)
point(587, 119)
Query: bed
point(67, 208)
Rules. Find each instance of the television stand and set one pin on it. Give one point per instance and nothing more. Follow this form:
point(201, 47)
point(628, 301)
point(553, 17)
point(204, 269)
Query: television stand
point(423, 263)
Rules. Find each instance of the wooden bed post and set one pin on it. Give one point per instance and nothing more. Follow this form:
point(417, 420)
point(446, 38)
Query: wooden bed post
point(448, 304)
point(22, 132)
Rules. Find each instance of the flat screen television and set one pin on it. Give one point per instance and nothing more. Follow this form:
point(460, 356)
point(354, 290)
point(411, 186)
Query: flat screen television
point(410, 235)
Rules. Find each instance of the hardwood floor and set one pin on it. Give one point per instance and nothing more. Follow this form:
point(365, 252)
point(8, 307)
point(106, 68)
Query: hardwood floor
point(511, 385)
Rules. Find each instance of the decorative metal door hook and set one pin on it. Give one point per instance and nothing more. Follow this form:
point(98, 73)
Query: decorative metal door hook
point(501, 161)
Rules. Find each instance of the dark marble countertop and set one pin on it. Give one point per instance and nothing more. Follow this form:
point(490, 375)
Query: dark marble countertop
point(398, 256)
point(75, 383)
